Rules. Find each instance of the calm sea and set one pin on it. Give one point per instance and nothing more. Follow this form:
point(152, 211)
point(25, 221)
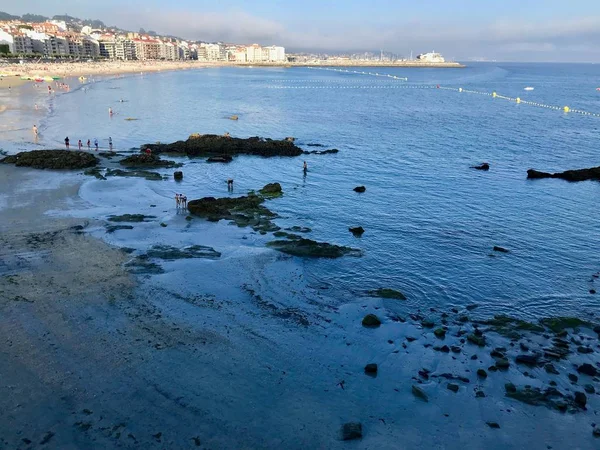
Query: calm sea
point(431, 221)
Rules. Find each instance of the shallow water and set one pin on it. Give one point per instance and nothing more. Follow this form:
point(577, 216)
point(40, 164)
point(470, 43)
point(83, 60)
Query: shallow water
point(430, 220)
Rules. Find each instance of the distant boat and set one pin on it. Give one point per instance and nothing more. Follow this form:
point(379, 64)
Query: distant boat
point(529, 88)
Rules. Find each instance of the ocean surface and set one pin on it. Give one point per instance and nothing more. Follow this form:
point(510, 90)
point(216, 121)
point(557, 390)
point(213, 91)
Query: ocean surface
point(431, 221)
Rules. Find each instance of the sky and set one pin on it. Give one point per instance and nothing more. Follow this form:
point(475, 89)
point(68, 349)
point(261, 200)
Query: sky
point(462, 30)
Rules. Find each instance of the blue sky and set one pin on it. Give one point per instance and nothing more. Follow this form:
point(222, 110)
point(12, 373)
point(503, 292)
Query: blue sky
point(525, 30)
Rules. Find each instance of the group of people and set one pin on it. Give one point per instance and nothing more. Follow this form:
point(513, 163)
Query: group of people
point(80, 142)
point(180, 201)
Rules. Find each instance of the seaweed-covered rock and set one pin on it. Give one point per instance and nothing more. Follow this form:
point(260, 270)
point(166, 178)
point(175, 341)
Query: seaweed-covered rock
point(178, 175)
point(322, 152)
point(144, 160)
point(569, 175)
point(440, 333)
point(170, 253)
point(387, 293)
point(419, 393)
point(477, 340)
point(371, 320)
point(271, 189)
point(210, 144)
point(588, 369)
point(313, 249)
point(130, 218)
point(220, 159)
point(152, 176)
point(559, 324)
point(52, 159)
point(453, 387)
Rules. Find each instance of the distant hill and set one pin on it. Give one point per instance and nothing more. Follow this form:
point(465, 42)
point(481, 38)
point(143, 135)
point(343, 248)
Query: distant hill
point(7, 16)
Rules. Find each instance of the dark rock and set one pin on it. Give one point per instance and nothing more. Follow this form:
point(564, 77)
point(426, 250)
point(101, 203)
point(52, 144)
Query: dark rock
point(455, 349)
point(312, 249)
point(351, 431)
point(424, 373)
point(357, 231)
point(220, 159)
point(502, 364)
point(113, 228)
point(440, 333)
point(151, 176)
point(573, 377)
point(178, 175)
point(481, 373)
point(480, 394)
point(596, 432)
point(419, 393)
point(322, 152)
point(52, 159)
point(580, 399)
point(95, 172)
point(371, 320)
point(477, 340)
point(569, 175)
point(210, 144)
point(443, 349)
point(529, 360)
point(510, 388)
point(493, 425)
point(371, 368)
point(551, 369)
point(483, 166)
point(590, 389)
point(169, 253)
point(452, 387)
point(588, 369)
point(500, 249)
point(130, 218)
point(496, 354)
point(271, 189)
point(360, 189)
point(144, 160)
point(592, 291)
point(585, 350)
point(387, 293)
point(558, 324)
point(427, 323)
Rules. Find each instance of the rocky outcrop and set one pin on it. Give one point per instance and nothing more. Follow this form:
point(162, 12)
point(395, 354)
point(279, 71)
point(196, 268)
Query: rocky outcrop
point(52, 159)
point(357, 231)
point(569, 175)
point(321, 152)
point(483, 166)
point(387, 293)
point(214, 145)
point(178, 175)
point(144, 160)
point(271, 189)
point(152, 176)
point(360, 189)
point(312, 249)
point(351, 431)
point(220, 159)
point(130, 218)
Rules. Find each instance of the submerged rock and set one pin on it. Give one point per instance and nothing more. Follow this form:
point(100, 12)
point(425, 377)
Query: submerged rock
point(493, 425)
point(482, 166)
point(312, 249)
point(360, 189)
point(113, 228)
point(371, 368)
point(371, 320)
point(130, 218)
point(220, 159)
point(322, 152)
point(477, 340)
point(419, 393)
point(387, 293)
point(210, 145)
point(351, 431)
point(452, 387)
point(52, 159)
point(144, 160)
point(500, 249)
point(588, 369)
point(559, 324)
point(170, 253)
point(569, 175)
point(152, 176)
point(178, 175)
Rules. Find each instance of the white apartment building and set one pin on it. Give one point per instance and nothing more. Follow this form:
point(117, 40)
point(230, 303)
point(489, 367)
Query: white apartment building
point(273, 54)
point(18, 42)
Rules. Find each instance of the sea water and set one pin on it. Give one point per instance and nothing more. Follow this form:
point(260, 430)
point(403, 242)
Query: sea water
point(431, 221)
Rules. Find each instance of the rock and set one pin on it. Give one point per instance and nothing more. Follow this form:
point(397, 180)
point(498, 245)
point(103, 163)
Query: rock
point(52, 159)
point(569, 175)
point(588, 369)
point(455, 349)
point(592, 291)
point(178, 175)
point(162, 224)
point(580, 399)
point(351, 431)
point(371, 320)
point(371, 368)
point(443, 349)
point(510, 388)
point(483, 166)
point(481, 373)
point(144, 160)
point(493, 425)
point(322, 152)
point(502, 364)
point(387, 293)
point(210, 145)
point(452, 387)
point(500, 249)
point(151, 176)
point(113, 228)
point(220, 159)
point(360, 189)
point(170, 253)
point(551, 369)
point(480, 394)
point(558, 324)
point(596, 432)
point(130, 218)
point(572, 377)
point(419, 393)
point(585, 350)
point(529, 360)
point(357, 231)
point(95, 172)
point(477, 340)
point(308, 248)
point(590, 389)
point(440, 333)
point(271, 189)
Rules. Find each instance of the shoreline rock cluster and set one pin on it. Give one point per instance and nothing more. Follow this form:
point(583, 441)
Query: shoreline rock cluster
point(592, 173)
point(52, 159)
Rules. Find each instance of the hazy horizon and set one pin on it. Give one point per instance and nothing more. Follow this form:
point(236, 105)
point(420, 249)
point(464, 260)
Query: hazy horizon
point(539, 31)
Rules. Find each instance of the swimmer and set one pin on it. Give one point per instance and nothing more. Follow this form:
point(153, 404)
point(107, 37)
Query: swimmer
point(110, 145)
point(305, 166)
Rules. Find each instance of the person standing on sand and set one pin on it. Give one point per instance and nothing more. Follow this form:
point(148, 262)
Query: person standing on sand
point(35, 130)
point(67, 142)
point(89, 145)
point(177, 200)
point(96, 143)
point(79, 144)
